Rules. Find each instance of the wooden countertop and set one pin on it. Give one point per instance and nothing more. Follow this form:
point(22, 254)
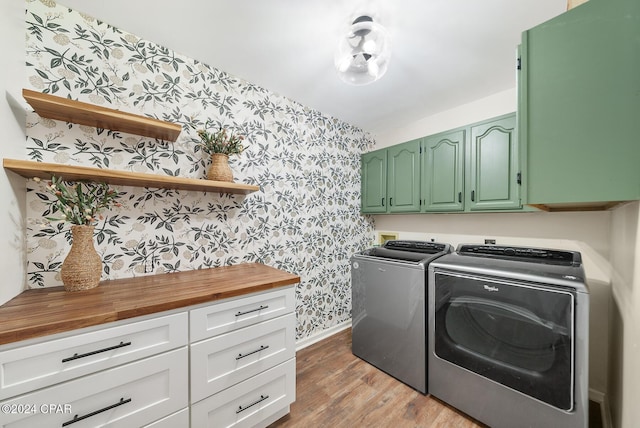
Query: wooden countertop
point(45, 311)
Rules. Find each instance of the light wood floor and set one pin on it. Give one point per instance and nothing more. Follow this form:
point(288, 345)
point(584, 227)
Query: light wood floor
point(337, 389)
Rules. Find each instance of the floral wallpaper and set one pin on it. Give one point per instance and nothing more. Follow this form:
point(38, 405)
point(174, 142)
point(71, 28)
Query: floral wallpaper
point(305, 219)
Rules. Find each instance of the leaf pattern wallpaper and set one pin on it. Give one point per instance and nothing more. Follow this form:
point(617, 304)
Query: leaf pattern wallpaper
point(305, 218)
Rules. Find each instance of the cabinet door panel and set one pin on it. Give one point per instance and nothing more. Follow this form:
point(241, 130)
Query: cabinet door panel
point(404, 177)
point(443, 172)
point(580, 105)
point(374, 182)
point(493, 166)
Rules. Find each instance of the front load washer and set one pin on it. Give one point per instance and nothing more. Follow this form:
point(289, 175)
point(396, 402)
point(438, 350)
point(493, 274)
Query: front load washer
point(389, 307)
point(508, 340)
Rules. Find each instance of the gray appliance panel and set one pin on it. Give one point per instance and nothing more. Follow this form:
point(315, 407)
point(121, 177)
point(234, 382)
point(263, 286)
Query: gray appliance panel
point(552, 275)
point(493, 403)
point(389, 314)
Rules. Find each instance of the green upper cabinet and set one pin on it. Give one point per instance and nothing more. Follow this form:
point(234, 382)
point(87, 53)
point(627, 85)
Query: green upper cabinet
point(403, 182)
point(374, 182)
point(493, 174)
point(391, 179)
point(474, 168)
point(442, 179)
point(579, 105)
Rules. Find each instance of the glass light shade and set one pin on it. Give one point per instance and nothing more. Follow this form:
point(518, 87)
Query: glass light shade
point(363, 53)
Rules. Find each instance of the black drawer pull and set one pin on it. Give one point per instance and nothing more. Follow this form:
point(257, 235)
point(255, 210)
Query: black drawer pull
point(252, 310)
point(77, 418)
point(473, 195)
point(260, 400)
point(460, 197)
point(241, 356)
point(110, 348)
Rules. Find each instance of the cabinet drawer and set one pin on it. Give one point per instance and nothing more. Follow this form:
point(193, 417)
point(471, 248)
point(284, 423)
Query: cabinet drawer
point(43, 364)
point(177, 420)
point(131, 395)
point(225, 360)
point(230, 315)
point(250, 402)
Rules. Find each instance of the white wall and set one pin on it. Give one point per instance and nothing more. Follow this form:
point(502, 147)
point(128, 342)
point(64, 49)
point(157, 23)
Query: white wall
point(12, 123)
point(625, 262)
point(495, 105)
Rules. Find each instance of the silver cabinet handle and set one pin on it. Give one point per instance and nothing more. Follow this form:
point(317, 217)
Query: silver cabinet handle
point(110, 348)
point(252, 310)
point(77, 418)
point(260, 400)
point(262, 348)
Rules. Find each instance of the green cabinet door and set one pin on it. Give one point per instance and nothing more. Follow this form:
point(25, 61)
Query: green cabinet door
point(403, 181)
point(374, 182)
point(442, 178)
point(493, 166)
point(579, 105)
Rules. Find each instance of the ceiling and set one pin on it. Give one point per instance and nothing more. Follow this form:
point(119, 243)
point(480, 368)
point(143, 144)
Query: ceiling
point(444, 52)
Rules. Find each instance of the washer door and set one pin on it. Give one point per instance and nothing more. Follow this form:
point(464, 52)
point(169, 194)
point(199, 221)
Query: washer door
point(517, 334)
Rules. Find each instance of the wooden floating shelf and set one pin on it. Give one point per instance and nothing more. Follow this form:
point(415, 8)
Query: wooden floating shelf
point(59, 108)
point(30, 169)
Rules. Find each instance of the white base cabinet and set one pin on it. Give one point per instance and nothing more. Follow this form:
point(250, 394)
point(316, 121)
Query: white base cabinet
point(131, 395)
point(30, 367)
point(225, 360)
point(177, 420)
point(243, 371)
point(248, 403)
point(228, 363)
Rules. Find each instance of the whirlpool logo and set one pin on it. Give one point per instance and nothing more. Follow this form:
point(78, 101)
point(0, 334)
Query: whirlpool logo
point(490, 288)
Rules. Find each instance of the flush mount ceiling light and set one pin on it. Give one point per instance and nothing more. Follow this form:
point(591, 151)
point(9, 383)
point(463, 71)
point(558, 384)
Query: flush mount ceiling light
point(363, 53)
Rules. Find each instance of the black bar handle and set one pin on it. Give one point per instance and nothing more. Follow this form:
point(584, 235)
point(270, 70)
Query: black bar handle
point(460, 197)
point(390, 202)
point(252, 310)
point(262, 348)
point(77, 418)
point(473, 195)
point(110, 348)
point(383, 202)
point(260, 400)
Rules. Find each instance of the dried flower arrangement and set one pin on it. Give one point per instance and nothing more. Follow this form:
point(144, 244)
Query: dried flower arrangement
point(220, 141)
point(80, 203)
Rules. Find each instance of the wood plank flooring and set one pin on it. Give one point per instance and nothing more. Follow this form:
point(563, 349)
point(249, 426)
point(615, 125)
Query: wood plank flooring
point(337, 389)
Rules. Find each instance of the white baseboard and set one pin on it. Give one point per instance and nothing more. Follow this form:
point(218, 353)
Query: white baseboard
point(307, 341)
point(595, 395)
point(601, 399)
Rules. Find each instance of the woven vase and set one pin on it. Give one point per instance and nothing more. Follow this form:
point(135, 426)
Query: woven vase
point(220, 169)
point(82, 268)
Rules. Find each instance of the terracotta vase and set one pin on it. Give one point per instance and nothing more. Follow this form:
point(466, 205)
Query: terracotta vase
point(82, 268)
point(220, 169)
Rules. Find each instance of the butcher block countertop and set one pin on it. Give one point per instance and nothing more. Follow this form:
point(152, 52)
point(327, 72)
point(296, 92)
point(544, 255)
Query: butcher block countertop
point(41, 312)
